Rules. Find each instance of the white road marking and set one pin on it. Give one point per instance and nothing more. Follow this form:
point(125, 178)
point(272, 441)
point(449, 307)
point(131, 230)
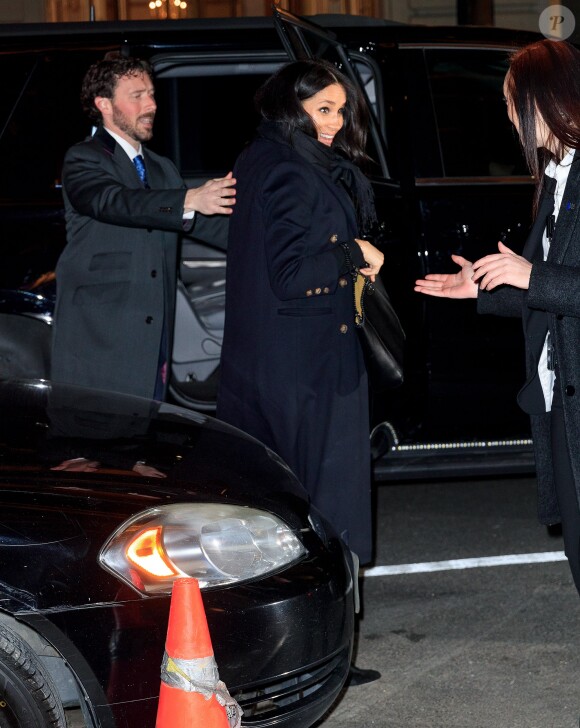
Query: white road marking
point(539, 558)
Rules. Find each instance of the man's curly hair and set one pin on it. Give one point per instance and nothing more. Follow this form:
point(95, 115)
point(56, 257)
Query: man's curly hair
point(102, 77)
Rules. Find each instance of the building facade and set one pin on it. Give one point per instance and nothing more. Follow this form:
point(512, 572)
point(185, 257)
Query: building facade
point(521, 14)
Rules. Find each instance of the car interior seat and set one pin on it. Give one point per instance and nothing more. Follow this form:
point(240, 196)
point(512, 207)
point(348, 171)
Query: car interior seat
point(25, 344)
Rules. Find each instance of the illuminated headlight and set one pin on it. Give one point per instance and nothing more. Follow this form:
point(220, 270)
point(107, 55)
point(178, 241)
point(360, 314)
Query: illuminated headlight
point(216, 544)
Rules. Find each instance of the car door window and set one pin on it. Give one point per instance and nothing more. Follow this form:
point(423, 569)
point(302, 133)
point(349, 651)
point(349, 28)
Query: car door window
point(40, 117)
point(476, 137)
point(17, 76)
point(205, 111)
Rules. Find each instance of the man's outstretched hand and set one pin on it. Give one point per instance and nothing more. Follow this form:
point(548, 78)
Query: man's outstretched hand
point(215, 196)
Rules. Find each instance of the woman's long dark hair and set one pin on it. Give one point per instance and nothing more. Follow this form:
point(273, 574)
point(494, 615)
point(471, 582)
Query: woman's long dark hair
point(280, 99)
point(544, 78)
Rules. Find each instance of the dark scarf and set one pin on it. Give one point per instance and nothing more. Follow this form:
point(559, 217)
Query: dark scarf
point(331, 163)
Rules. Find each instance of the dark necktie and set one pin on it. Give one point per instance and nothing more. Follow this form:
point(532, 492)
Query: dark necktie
point(141, 171)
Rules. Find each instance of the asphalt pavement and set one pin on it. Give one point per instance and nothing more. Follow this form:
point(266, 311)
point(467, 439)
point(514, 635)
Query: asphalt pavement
point(492, 642)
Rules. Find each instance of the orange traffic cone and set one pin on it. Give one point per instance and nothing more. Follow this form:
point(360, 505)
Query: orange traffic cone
point(191, 692)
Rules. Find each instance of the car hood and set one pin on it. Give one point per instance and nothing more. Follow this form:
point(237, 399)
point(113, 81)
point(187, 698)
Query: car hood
point(48, 432)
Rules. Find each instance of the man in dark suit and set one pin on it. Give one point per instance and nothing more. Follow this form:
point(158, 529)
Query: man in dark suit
point(125, 207)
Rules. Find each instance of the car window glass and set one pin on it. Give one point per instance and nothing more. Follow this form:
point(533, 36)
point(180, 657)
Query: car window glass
point(369, 84)
point(15, 80)
point(41, 117)
point(206, 115)
point(475, 135)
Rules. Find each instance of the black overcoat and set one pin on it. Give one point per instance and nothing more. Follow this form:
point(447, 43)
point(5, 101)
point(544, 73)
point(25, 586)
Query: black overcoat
point(116, 277)
point(292, 372)
point(552, 301)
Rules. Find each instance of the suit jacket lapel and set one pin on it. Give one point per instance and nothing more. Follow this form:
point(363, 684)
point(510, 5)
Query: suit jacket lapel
point(531, 396)
point(567, 214)
point(127, 172)
point(343, 198)
point(103, 137)
point(155, 172)
point(533, 247)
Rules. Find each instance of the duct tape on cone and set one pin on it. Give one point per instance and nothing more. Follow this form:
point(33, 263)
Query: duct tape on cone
point(201, 676)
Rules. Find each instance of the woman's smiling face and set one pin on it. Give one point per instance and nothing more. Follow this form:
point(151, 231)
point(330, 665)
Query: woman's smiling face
point(326, 109)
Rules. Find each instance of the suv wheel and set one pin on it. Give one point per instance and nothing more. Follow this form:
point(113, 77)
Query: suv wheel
point(28, 697)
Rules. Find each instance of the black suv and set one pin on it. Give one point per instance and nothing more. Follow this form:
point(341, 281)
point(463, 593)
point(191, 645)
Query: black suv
point(448, 176)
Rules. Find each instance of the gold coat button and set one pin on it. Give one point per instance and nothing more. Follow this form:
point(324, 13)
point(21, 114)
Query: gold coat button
point(326, 289)
point(342, 282)
point(334, 238)
point(343, 328)
point(309, 292)
point(318, 291)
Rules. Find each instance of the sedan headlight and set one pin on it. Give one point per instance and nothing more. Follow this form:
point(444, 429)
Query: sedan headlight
point(216, 544)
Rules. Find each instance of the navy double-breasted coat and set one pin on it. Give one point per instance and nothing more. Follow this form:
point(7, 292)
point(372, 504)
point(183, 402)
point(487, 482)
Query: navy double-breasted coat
point(552, 301)
point(292, 372)
point(116, 277)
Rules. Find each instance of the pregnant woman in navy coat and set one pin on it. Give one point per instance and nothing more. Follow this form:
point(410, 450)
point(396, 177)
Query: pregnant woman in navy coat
point(292, 371)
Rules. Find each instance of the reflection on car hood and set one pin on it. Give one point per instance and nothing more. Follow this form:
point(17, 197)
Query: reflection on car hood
point(86, 441)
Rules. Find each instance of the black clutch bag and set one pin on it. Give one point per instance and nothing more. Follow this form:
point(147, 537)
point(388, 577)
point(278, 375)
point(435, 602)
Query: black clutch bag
point(381, 334)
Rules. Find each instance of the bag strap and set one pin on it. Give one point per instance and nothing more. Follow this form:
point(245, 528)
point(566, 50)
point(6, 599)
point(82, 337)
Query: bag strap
point(360, 285)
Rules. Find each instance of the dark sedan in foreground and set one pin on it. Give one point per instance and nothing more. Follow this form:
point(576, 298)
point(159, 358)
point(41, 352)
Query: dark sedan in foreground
point(105, 500)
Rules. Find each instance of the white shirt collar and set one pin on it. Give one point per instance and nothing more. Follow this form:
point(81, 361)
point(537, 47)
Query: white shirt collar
point(560, 173)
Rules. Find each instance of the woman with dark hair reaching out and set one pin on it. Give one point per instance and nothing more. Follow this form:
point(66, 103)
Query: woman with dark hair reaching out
point(542, 94)
point(292, 370)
